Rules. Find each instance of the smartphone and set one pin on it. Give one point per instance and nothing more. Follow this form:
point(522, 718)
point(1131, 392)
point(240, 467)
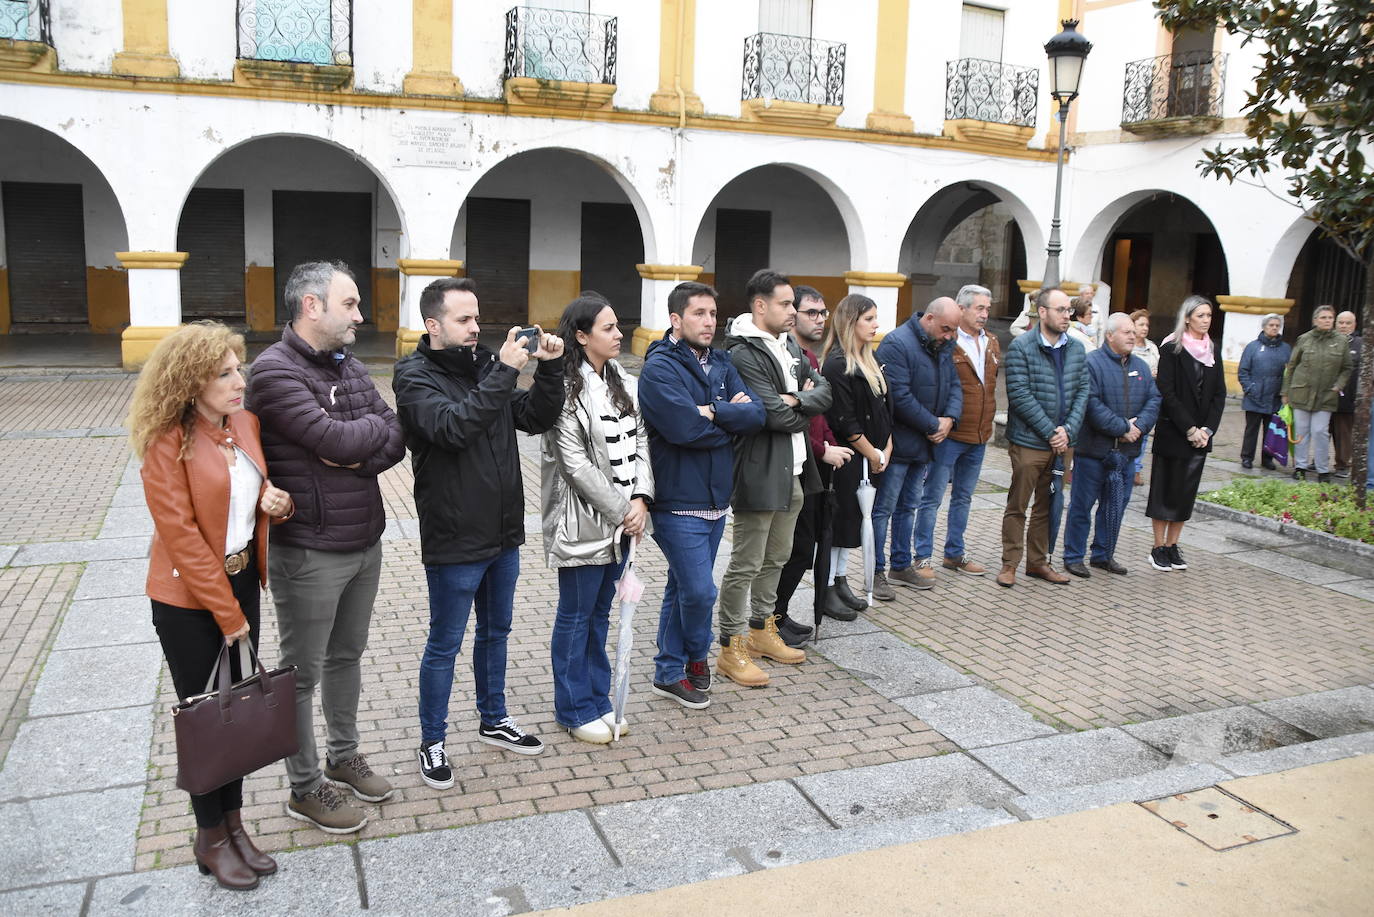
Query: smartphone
point(530, 336)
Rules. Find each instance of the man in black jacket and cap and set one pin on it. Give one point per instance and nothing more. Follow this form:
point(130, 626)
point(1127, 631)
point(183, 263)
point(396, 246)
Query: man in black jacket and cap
point(460, 408)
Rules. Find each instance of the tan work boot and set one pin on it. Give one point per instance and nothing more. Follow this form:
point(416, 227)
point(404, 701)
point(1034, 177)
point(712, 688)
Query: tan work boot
point(767, 642)
point(734, 663)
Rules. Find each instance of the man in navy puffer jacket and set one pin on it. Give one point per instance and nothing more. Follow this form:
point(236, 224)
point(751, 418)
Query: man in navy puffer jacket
point(694, 404)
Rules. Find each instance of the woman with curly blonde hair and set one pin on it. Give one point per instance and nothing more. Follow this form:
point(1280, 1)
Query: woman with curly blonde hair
point(205, 482)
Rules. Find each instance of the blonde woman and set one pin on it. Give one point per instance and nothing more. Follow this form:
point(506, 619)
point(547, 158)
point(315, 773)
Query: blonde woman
point(861, 418)
point(205, 481)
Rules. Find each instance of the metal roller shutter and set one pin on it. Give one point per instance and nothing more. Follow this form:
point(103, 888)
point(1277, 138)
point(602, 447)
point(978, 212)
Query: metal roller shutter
point(211, 233)
point(498, 258)
point(322, 226)
point(45, 249)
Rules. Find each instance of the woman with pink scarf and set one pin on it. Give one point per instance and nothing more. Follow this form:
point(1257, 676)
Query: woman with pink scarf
point(1194, 391)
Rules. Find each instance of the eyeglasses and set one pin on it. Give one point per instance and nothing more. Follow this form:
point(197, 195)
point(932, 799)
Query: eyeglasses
point(816, 315)
point(1062, 311)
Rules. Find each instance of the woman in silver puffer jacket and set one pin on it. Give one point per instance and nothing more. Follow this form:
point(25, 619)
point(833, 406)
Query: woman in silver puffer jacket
point(596, 489)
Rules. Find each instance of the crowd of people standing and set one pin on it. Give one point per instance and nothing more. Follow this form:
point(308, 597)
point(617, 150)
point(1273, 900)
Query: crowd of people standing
point(785, 429)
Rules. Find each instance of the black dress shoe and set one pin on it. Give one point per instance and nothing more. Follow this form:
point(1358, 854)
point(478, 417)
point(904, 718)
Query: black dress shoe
point(1247, 464)
point(1110, 566)
point(793, 633)
point(1268, 465)
point(1078, 570)
point(847, 595)
point(837, 609)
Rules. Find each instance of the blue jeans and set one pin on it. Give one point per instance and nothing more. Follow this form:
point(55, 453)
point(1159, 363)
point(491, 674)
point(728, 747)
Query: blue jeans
point(899, 491)
point(960, 462)
point(453, 590)
point(581, 668)
point(689, 597)
point(1138, 465)
point(1089, 487)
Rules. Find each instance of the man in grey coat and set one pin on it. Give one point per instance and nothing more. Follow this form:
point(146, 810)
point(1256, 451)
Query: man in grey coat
point(774, 470)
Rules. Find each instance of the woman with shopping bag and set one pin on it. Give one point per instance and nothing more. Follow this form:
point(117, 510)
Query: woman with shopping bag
point(205, 482)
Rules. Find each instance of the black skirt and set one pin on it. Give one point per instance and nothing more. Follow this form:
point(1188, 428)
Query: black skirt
point(1173, 486)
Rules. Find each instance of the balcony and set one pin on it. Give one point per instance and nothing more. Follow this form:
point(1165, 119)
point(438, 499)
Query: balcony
point(26, 35)
point(790, 79)
point(1174, 94)
point(559, 58)
point(990, 102)
point(301, 44)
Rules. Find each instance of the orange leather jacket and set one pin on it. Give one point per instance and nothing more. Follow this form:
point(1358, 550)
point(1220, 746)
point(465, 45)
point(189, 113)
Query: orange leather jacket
point(189, 503)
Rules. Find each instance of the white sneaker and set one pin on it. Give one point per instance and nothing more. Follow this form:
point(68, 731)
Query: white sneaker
point(596, 732)
point(609, 720)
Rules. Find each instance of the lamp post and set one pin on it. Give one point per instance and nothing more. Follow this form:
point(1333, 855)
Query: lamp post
point(1067, 51)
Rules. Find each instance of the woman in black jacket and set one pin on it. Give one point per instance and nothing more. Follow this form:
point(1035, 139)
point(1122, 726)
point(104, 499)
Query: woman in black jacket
point(861, 417)
point(1193, 388)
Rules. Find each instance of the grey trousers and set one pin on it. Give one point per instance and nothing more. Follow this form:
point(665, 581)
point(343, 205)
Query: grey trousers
point(1313, 430)
point(324, 609)
point(760, 544)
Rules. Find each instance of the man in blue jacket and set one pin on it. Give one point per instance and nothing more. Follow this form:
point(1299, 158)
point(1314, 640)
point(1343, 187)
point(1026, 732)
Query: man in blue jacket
point(1047, 393)
point(917, 359)
point(694, 404)
point(1123, 404)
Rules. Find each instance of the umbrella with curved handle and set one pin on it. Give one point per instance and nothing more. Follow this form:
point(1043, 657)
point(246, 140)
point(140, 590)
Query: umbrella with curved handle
point(867, 493)
point(629, 589)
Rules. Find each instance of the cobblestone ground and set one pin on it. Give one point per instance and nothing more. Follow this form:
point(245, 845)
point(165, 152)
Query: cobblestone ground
point(1106, 651)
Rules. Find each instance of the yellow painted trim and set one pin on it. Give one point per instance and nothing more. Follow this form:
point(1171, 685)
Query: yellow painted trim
point(643, 337)
point(271, 74)
point(149, 66)
point(406, 339)
point(526, 90)
point(1093, 5)
point(145, 50)
point(1068, 286)
point(159, 261)
point(799, 114)
point(431, 73)
point(1231, 370)
point(669, 271)
point(889, 72)
point(1254, 305)
point(429, 267)
point(1008, 135)
point(137, 342)
point(677, 31)
point(353, 99)
point(873, 279)
point(27, 55)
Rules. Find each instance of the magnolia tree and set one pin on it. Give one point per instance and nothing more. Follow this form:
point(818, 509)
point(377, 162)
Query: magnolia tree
point(1309, 126)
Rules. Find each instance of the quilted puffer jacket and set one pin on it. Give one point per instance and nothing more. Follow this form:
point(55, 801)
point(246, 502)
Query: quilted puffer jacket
point(1036, 398)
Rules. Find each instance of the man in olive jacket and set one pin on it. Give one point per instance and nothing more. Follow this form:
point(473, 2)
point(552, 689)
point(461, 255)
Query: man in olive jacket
point(774, 470)
point(460, 408)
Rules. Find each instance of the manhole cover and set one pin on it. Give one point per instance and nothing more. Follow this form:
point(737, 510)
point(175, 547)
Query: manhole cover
point(1218, 819)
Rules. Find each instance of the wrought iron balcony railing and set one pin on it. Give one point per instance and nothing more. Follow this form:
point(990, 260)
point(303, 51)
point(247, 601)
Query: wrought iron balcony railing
point(560, 45)
point(1187, 85)
point(988, 90)
point(791, 68)
point(26, 20)
point(296, 31)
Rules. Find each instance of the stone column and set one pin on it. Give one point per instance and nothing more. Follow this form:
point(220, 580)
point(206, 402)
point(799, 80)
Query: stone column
point(154, 302)
point(431, 71)
point(1244, 316)
point(658, 281)
point(882, 289)
point(146, 52)
point(416, 274)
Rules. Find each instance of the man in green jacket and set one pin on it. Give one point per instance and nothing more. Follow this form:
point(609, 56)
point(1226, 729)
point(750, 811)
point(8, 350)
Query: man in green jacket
point(774, 471)
point(1312, 382)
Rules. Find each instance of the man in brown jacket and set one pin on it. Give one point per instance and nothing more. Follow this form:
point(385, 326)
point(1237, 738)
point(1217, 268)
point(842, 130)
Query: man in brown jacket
point(960, 456)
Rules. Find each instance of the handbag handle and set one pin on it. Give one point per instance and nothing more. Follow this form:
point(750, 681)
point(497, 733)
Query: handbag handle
point(248, 663)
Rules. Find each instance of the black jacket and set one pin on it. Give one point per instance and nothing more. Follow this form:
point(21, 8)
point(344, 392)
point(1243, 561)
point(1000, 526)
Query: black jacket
point(460, 409)
point(1193, 396)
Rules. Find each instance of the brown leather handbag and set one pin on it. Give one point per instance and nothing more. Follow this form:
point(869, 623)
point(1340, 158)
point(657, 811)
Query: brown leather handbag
point(234, 729)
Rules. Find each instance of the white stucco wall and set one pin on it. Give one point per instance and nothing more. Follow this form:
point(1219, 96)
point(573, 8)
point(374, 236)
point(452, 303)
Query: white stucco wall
point(203, 36)
point(87, 33)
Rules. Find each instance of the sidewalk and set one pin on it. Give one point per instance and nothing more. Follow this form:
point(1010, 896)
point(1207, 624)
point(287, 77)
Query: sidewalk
point(964, 708)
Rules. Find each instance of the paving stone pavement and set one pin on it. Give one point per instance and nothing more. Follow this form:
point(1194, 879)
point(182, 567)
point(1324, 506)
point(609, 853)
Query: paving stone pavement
point(937, 713)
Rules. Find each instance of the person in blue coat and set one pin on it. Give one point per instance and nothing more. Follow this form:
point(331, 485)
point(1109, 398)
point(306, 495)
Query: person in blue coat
point(1123, 404)
point(917, 360)
point(694, 404)
point(1261, 377)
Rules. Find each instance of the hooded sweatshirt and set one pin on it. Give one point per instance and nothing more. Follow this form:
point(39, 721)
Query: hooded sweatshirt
point(743, 326)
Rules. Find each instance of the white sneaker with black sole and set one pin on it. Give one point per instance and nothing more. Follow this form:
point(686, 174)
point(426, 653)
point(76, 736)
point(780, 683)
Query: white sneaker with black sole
point(508, 735)
point(434, 766)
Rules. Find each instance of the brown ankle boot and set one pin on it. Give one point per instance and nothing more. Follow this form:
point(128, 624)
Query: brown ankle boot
point(216, 854)
point(734, 663)
point(767, 642)
point(259, 862)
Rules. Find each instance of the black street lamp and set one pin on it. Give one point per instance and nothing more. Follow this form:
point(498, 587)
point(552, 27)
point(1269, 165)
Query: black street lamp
point(1067, 52)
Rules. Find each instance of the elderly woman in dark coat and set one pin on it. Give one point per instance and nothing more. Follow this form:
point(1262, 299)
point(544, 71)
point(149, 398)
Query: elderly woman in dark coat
point(1193, 389)
point(1261, 378)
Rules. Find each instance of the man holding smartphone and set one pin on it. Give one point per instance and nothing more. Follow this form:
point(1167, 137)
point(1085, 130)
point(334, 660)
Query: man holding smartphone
point(460, 408)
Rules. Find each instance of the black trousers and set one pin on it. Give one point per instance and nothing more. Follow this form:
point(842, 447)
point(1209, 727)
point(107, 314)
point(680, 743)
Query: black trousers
point(191, 641)
point(1255, 425)
point(803, 552)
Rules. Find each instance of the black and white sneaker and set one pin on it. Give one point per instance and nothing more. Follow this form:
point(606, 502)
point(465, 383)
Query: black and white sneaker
point(699, 674)
point(1176, 558)
point(434, 768)
point(1160, 560)
point(683, 692)
point(506, 734)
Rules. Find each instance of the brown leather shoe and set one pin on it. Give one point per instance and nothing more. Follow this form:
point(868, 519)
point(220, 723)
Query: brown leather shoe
point(1007, 576)
point(216, 854)
point(1048, 574)
point(259, 862)
point(964, 565)
point(734, 663)
point(765, 641)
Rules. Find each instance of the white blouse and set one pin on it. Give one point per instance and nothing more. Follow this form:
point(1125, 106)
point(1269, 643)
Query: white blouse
point(245, 482)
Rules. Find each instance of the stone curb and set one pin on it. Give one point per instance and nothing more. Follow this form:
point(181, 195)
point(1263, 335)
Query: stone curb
point(1287, 529)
